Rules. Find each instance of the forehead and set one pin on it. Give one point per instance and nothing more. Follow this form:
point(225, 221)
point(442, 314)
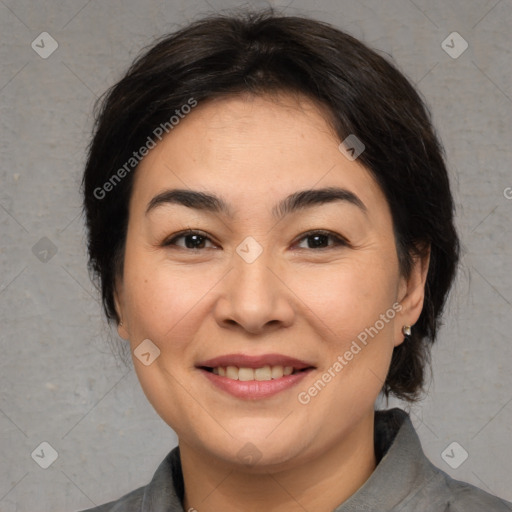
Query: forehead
point(247, 147)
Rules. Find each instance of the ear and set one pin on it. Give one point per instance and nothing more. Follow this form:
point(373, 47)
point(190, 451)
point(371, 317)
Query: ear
point(122, 328)
point(411, 293)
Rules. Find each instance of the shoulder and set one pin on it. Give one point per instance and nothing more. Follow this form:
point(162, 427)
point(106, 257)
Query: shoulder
point(163, 492)
point(130, 502)
point(464, 497)
point(406, 480)
point(441, 493)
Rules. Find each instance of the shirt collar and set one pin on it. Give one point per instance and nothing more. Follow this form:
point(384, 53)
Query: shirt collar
point(401, 468)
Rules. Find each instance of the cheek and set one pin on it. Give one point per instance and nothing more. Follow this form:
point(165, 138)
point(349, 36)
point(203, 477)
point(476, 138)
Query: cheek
point(347, 297)
point(354, 312)
point(163, 299)
point(354, 316)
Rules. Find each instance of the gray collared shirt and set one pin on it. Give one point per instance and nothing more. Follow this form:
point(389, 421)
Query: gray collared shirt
point(403, 481)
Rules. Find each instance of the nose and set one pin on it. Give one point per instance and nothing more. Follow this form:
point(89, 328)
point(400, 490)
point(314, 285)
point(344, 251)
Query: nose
point(254, 297)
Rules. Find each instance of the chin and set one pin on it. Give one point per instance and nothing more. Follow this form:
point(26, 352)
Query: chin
point(257, 453)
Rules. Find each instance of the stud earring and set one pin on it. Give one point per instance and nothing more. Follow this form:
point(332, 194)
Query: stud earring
point(406, 329)
point(120, 323)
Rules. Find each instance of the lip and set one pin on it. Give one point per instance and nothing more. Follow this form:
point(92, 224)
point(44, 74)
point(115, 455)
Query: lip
point(245, 361)
point(254, 389)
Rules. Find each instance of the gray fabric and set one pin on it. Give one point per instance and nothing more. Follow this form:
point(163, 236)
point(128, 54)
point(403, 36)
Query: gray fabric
point(403, 481)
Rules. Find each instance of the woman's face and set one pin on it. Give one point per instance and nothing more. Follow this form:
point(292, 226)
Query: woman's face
point(259, 287)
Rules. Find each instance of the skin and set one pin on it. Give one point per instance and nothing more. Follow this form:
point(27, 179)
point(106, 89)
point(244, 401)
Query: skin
point(294, 299)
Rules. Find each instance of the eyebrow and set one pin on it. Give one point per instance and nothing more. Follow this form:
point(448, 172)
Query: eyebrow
point(290, 204)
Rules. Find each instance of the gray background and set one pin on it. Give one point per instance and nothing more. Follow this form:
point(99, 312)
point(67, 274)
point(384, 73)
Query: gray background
point(59, 381)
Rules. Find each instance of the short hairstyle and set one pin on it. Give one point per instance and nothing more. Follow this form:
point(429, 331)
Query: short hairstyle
point(263, 53)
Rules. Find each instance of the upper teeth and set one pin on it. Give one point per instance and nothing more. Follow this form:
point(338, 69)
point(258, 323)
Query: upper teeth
point(264, 373)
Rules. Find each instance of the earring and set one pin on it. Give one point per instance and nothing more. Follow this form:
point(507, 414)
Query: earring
point(406, 329)
point(120, 323)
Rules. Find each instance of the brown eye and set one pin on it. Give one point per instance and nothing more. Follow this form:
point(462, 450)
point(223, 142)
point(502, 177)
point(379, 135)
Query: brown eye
point(320, 239)
point(192, 240)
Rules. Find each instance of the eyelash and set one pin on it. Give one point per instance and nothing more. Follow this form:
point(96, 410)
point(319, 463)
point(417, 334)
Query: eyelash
point(339, 240)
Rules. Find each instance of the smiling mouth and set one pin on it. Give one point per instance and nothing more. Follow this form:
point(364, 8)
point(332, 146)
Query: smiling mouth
point(254, 377)
point(264, 373)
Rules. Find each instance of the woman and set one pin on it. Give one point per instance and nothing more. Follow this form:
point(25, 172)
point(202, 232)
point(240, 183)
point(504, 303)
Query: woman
point(271, 223)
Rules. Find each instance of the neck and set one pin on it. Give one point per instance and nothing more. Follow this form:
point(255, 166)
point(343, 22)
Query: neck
point(320, 483)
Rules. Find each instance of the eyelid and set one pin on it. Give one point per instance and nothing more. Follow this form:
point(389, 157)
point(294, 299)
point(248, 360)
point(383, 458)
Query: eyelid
point(339, 239)
point(168, 241)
